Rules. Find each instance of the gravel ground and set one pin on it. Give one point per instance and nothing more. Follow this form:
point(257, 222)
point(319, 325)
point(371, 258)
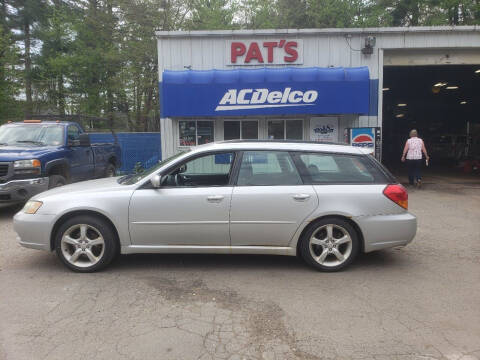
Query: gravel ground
point(419, 302)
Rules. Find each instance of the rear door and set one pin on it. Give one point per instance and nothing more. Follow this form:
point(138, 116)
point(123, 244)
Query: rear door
point(269, 201)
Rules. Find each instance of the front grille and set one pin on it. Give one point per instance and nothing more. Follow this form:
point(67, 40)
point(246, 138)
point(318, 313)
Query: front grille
point(3, 169)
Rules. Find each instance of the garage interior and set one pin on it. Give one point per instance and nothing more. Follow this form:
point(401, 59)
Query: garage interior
point(443, 103)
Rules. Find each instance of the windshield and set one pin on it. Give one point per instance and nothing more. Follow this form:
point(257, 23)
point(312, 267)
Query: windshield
point(134, 178)
point(31, 135)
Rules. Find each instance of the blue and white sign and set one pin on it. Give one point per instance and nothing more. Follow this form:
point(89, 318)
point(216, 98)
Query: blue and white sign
point(324, 129)
point(363, 137)
point(265, 92)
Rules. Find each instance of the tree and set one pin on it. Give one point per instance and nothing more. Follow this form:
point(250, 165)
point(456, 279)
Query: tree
point(211, 14)
point(258, 14)
point(9, 87)
point(28, 14)
point(53, 72)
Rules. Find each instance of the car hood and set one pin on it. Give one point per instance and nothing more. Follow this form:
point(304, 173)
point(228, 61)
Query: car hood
point(12, 153)
point(84, 188)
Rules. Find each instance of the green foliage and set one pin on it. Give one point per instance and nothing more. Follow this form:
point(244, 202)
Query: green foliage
point(211, 14)
point(9, 87)
point(98, 58)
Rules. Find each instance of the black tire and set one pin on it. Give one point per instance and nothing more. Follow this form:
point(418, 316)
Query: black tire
point(111, 245)
point(339, 225)
point(56, 181)
point(110, 170)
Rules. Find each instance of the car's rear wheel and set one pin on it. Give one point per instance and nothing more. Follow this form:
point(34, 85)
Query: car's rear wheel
point(330, 244)
point(85, 243)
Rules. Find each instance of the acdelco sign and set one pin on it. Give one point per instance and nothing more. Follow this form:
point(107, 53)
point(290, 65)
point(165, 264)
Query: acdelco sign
point(235, 99)
point(282, 51)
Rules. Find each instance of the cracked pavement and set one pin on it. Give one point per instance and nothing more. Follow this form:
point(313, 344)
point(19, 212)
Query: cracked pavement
point(419, 302)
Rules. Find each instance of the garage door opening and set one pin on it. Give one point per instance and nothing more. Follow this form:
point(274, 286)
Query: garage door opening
point(442, 103)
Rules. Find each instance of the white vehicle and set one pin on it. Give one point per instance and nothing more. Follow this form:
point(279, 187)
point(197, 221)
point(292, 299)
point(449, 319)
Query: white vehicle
point(323, 202)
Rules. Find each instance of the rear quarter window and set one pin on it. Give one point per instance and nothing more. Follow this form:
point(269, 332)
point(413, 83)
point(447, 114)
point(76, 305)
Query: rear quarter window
point(324, 168)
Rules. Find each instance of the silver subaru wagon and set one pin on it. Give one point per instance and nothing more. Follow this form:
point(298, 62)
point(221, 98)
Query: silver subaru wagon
point(323, 202)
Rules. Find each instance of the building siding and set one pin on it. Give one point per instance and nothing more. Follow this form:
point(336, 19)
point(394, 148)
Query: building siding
point(205, 50)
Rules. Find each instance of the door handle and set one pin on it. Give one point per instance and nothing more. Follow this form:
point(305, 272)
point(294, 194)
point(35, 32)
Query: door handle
point(301, 197)
point(215, 198)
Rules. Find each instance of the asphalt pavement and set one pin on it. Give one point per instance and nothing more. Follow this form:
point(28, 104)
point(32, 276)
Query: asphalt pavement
point(419, 302)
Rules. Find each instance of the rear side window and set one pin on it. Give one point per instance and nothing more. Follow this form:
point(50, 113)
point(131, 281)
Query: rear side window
point(317, 168)
point(267, 168)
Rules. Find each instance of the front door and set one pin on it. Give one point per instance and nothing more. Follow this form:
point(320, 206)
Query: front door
point(190, 208)
point(270, 201)
point(80, 157)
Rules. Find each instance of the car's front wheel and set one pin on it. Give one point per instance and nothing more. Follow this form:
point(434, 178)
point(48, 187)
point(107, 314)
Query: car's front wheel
point(330, 244)
point(86, 243)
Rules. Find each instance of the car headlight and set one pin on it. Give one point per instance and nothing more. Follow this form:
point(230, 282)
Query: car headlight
point(32, 206)
point(25, 164)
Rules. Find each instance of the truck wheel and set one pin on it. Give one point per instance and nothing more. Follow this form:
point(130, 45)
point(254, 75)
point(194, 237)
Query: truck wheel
point(86, 243)
point(110, 170)
point(56, 181)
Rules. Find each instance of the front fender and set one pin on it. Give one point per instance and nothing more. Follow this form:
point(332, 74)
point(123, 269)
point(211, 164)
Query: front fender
point(57, 162)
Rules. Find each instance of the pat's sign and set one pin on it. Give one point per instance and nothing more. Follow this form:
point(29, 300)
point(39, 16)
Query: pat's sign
point(264, 52)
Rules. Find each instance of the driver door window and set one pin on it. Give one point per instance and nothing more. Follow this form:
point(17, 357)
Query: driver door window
point(209, 170)
point(73, 135)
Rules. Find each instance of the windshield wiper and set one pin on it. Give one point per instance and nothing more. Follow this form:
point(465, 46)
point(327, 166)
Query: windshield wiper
point(125, 178)
point(30, 142)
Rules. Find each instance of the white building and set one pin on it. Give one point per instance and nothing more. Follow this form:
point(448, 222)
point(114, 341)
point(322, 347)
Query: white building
point(313, 84)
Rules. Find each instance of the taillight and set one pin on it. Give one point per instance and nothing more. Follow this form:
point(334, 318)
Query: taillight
point(398, 194)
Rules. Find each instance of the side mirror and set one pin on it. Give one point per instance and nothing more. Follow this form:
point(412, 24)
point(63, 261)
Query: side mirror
point(156, 181)
point(84, 139)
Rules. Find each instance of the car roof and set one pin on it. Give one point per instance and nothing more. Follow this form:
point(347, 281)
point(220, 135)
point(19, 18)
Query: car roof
point(286, 145)
point(41, 122)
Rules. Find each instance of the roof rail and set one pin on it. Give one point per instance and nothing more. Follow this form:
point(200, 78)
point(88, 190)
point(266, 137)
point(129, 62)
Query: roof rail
point(283, 141)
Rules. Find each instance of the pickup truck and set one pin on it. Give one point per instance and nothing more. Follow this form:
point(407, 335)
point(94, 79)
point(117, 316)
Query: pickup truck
point(39, 155)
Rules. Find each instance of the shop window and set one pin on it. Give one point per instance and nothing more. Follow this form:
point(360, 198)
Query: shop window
point(285, 129)
point(240, 129)
point(195, 132)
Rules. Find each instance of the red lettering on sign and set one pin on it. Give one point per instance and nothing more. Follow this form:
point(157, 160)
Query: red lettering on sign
point(270, 45)
point(290, 49)
point(237, 49)
point(254, 53)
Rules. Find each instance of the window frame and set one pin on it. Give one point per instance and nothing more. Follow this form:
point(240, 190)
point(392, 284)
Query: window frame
point(240, 159)
point(285, 128)
point(196, 132)
point(148, 185)
point(306, 179)
point(241, 131)
point(73, 142)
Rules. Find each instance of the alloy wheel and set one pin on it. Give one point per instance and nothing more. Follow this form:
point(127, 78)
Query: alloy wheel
point(82, 245)
point(330, 245)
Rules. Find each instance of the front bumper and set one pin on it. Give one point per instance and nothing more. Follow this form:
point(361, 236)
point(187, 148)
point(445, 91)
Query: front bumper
point(17, 191)
point(33, 230)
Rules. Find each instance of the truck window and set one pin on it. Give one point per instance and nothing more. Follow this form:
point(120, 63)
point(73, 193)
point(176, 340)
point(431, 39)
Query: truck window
point(31, 134)
point(73, 135)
